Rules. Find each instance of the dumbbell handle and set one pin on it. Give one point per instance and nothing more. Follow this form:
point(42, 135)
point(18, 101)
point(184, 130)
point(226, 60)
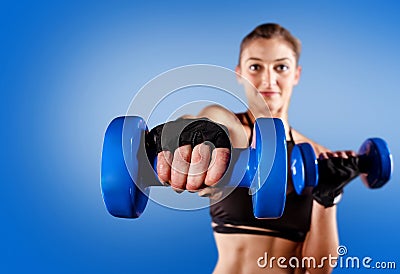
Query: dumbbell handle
point(243, 166)
point(363, 163)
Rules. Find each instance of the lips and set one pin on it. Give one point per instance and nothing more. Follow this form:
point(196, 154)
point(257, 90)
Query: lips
point(269, 93)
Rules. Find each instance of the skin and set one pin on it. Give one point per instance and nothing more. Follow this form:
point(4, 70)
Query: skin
point(268, 71)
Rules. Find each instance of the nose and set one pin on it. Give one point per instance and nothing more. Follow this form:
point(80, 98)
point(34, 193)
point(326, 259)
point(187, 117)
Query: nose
point(269, 77)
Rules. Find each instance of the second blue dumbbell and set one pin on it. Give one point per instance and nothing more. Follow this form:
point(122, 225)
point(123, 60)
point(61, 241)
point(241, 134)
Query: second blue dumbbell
point(375, 164)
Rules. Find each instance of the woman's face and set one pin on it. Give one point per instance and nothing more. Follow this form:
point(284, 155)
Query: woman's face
point(269, 65)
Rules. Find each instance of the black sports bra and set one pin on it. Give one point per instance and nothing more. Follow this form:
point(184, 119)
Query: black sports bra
point(236, 210)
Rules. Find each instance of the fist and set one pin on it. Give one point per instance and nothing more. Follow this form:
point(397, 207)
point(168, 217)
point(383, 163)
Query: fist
point(191, 153)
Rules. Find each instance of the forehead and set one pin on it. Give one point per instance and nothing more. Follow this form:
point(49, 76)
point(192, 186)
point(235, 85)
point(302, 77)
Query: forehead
point(268, 50)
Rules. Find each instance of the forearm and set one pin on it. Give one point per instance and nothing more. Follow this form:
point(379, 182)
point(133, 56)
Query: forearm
point(322, 240)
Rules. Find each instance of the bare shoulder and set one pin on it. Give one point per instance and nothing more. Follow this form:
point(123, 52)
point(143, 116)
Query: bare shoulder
point(300, 138)
point(215, 113)
point(223, 116)
point(220, 115)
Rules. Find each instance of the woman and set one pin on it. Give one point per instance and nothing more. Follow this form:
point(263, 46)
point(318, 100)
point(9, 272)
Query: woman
point(269, 58)
point(268, 69)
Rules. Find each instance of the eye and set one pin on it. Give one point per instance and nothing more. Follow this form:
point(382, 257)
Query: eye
point(282, 67)
point(254, 67)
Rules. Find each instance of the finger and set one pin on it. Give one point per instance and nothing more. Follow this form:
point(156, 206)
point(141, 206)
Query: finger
point(164, 161)
point(200, 160)
point(342, 154)
point(332, 154)
point(323, 155)
point(219, 163)
point(206, 192)
point(351, 153)
point(215, 193)
point(180, 167)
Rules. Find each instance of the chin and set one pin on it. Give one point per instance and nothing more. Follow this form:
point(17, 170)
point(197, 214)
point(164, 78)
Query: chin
point(272, 104)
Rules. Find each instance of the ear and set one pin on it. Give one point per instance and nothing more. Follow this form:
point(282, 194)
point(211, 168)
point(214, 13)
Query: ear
point(297, 75)
point(238, 71)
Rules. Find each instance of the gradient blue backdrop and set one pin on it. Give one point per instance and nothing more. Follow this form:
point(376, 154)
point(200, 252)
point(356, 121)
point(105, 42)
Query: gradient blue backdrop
point(68, 68)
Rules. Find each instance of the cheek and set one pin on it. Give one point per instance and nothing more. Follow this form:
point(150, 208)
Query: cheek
point(287, 81)
point(250, 81)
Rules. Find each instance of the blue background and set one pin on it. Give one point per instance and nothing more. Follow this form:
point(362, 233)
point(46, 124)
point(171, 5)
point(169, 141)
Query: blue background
point(67, 68)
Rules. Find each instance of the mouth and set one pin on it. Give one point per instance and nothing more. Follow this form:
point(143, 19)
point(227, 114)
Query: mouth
point(269, 93)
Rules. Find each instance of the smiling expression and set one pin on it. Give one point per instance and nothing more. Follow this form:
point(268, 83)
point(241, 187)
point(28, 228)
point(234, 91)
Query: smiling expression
point(271, 70)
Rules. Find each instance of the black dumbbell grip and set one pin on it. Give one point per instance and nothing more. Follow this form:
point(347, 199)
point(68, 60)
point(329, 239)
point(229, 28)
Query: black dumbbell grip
point(364, 163)
point(334, 174)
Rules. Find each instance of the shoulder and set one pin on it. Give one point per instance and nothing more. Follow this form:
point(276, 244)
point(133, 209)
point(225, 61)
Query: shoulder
point(219, 115)
point(300, 138)
point(223, 116)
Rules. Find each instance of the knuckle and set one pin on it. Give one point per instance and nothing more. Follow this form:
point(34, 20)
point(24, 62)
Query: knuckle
point(222, 156)
point(182, 154)
point(196, 156)
point(164, 176)
point(212, 178)
point(177, 184)
point(193, 184)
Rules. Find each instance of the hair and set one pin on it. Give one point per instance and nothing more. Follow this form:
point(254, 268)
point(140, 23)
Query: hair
point(270, 31)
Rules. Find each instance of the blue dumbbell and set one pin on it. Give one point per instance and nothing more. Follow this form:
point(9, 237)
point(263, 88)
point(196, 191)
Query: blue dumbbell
point(127, 172)
point(304, 167)
point(375, 163)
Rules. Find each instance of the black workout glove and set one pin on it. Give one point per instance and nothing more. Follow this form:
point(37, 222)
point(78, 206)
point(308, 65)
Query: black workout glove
point(171, 135)
point(334, 174)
